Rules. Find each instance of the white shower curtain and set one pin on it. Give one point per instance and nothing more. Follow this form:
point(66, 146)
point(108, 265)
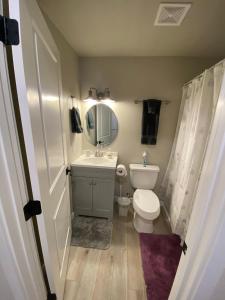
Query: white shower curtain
point(179, 184)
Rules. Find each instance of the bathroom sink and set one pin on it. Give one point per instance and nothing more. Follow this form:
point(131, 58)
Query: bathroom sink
point(96, 160)
point(105, 161)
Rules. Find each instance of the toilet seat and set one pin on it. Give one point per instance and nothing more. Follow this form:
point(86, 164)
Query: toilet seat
point(146, 204)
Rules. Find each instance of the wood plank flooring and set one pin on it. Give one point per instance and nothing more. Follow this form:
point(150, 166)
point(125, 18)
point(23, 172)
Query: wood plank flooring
point(113, 274)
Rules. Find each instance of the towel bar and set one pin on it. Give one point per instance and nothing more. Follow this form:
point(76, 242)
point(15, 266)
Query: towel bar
point(166, 102)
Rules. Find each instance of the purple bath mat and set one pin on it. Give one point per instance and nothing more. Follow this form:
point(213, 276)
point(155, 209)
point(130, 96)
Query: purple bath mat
point(160, 258)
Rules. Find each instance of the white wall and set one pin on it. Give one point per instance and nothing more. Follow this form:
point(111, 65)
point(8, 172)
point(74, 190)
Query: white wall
point(141, 78)
point(70, 86)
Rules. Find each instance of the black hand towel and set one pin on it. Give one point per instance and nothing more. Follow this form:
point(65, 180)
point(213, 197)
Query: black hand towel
point(150, 121)
point(76, 126)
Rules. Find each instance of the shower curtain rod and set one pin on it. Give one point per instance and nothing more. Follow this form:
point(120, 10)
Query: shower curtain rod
point(196, 77)
point(163, 101)
point(200, 75)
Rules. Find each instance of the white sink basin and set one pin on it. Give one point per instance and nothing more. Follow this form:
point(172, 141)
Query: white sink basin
point(99, 162)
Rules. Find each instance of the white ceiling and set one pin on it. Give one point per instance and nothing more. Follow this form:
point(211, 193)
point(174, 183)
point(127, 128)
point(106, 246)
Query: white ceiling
point(126, 28)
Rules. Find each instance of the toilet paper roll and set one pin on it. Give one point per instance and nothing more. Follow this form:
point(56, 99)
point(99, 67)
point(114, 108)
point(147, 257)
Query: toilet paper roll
point(121, 171)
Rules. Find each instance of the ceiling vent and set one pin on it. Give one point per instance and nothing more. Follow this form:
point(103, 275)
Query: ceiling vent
point(171, 14)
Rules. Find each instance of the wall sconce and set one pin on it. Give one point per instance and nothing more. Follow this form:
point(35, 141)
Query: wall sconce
point(99, 96)
point(90, 96)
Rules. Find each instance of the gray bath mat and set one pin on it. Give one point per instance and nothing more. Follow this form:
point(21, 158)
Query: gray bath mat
point(90, 232)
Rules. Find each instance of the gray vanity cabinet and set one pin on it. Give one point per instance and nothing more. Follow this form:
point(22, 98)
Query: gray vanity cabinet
point(93, 191)
point(103, 194)
point(82, 193)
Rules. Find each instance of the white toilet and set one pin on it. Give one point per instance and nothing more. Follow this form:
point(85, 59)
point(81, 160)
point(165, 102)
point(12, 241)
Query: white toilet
point(145, 201)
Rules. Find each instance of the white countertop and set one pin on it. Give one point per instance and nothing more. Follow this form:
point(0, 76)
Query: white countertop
point(107, 161)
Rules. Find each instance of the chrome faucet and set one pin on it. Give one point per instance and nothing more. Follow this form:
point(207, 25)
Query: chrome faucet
point(145, 162)
point(144, 155)
point(98, 152)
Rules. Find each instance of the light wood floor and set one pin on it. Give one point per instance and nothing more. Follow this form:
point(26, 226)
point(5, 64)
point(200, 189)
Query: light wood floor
point(113, 274)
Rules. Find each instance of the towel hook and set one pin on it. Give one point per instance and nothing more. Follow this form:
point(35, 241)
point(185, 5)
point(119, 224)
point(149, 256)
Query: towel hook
point(72, 97)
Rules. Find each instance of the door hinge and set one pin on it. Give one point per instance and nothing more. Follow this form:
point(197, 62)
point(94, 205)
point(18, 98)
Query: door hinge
point(32, 208)
point(9, 31)
point(184, 248)
point(68, 170)
point(51, 296)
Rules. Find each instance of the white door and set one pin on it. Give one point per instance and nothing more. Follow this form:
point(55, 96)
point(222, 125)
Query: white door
point(104, 124)
point(37, 72)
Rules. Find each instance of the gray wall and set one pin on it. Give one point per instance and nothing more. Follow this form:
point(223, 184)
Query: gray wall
point(138, 78)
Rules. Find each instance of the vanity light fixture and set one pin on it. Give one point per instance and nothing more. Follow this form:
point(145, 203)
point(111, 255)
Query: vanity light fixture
point(90, 96)
point(107, 96)
point(96, 95)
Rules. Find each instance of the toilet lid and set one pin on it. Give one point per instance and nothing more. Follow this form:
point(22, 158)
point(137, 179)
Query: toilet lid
point(146, 203)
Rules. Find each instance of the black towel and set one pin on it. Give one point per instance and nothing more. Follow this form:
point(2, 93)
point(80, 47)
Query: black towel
point(150, 121)
point(76, 126)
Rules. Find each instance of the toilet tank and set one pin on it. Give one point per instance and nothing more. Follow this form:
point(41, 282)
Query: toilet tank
point(143, 177)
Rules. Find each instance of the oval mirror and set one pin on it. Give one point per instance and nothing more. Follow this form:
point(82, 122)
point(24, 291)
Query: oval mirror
point(101, 125)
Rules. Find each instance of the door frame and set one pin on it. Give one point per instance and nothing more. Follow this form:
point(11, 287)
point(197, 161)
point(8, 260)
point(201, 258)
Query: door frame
point(19, 260)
